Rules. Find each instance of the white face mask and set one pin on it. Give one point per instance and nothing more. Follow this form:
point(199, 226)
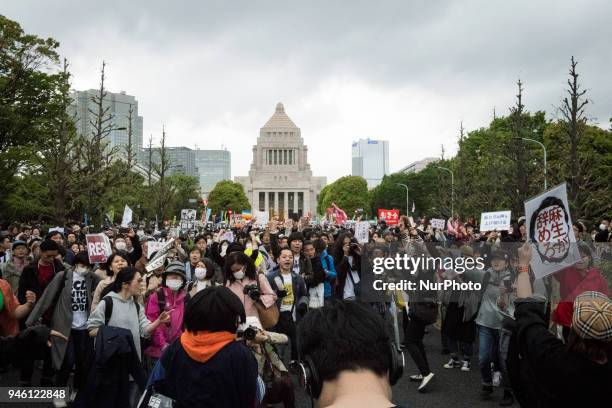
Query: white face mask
point(174, 284)
point(239, 275)
point(223, 250)
point(602, 226)
point(121, 246)
point(200, 273)
point(81, 270)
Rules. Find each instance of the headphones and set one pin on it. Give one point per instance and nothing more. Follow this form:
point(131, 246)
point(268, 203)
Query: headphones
point(311, 382)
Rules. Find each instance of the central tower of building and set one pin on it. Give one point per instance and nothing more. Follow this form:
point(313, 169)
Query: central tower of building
point(280, 178)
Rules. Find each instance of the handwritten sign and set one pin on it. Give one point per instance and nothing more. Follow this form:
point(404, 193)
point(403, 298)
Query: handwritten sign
point(362, 232)
point(549, 228)
point(98, 248)
point(188, 219)
point(495, 221)
point(438, 223)
point(161, 254)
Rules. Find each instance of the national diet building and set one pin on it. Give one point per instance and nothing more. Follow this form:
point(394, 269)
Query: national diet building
point(280, 178)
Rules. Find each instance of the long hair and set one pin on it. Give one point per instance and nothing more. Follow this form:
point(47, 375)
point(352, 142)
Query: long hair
point(125, 275)
point(109, 261)
point(597, 351)
point(239, 258)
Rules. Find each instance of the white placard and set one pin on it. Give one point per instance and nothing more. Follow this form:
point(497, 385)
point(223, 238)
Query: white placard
point(262, 218)
point(549, 229)
point(495, 221)
point(437, 223)
point(188, 218)
point(227, 236)
point(156, 263)
point(127, 217)
point(362, 232)
point(152, 247)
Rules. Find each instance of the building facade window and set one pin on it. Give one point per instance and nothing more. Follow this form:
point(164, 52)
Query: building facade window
point(262, 201)
point(281, 202)
point(271, 200)
point(300, 202)
point(290, 156)
point(290, 201)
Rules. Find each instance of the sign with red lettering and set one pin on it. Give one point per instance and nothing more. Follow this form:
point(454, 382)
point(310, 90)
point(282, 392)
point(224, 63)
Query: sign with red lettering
point(549, 228)
point(391, 217)
point(98, 248)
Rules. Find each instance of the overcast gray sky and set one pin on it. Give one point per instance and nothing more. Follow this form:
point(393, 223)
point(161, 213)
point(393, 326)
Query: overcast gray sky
point(405, 71)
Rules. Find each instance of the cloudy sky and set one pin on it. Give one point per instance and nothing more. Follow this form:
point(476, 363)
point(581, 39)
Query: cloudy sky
point(406, 71)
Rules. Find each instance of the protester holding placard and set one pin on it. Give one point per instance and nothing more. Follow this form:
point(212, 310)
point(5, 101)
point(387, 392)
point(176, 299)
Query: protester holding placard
point(573, 281)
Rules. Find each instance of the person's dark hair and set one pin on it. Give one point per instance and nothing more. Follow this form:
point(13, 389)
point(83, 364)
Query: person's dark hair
point(596, 351)
point(338, 252)
point(54, 233)
point(82, 258)
point(109, 261)
point(210, 268)
point(319, 246)
point(344, 336)
point(584, 249)
point(125, 275)
point(214, 309)
point(578, 226)
point(242, 259)
point(308, 242)
point(280, 251)
point(199, 238)
point(49, 245)
point(295, 236)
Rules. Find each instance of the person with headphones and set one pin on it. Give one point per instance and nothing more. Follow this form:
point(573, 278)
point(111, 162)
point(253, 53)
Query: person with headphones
point(347, 358)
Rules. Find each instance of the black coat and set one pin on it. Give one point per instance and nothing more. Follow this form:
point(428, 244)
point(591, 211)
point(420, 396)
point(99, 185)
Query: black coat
point(29, 280)
point(547, 374)
point(115, 359)
point(228, 379)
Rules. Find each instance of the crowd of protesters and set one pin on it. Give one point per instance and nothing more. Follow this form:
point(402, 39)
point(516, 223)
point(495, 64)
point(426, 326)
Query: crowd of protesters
point(225, 319)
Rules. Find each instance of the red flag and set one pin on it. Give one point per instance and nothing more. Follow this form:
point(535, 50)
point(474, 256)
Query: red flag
point(339, 214)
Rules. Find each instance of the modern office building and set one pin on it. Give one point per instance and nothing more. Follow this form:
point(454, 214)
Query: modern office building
point(417, 166)
point(117, 107)
point(213, 166)
point(280, 179)
point(370, 160)
point(180, 160)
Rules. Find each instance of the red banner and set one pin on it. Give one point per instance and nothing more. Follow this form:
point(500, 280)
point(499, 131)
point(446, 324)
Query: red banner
point(391, 217)
point(98, 248)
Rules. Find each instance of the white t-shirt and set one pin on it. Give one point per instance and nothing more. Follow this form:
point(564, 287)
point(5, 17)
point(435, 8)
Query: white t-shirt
point(349, 288)
point(288, 301)
point(296, 264)
point(79, 302)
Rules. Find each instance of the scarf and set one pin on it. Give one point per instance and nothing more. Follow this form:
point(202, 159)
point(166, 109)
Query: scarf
point(203, 346)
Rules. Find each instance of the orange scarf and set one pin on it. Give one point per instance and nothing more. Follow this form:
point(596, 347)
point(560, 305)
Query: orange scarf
point(203, 346)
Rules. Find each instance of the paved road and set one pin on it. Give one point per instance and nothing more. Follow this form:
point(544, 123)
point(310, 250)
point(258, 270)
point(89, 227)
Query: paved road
point(451, 388)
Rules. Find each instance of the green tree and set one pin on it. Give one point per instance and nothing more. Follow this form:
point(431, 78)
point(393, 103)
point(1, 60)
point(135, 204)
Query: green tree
point(321, 198)
point(227, 194)
point(27, 88)
point(349, 193)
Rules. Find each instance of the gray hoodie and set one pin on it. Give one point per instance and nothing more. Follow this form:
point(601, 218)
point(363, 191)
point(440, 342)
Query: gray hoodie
point(125, 315)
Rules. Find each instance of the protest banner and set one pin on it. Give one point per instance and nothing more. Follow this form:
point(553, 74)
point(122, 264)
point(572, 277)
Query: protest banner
point(127, 217)
point(227, 236)
point(549, 229)
point(160, 256)
point(495, 221)
point(437, 223)
point(391, 217)
point(58, 229)
point(188, 218)
point(98, 248)
point(362, 232)
point(152, 247)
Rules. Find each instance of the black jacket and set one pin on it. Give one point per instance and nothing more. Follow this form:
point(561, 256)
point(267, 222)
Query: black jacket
point(115, 359)
point(542, 371)
point(228, 379)
point(29, 280)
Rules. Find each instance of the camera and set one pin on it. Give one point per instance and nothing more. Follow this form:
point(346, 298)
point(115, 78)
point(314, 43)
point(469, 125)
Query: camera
point(253, 291)
point(248, 333)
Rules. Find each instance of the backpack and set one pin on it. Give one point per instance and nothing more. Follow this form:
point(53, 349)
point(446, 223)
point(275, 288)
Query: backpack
point(108, 309)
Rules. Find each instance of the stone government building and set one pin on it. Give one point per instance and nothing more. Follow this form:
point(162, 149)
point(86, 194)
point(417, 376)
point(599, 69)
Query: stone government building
point(280, 179)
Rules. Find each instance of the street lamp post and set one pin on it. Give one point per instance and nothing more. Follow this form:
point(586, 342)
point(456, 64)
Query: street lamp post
point(406, 187)
point(452, 188)
point(544, 149)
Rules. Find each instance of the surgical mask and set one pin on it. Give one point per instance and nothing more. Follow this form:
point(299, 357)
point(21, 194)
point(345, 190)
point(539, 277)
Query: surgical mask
point(81, 270)
point(223, 250)
point(121, 246)
point(200, 273)
point(174, 284)
point(239, 275)
point(602, 226)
